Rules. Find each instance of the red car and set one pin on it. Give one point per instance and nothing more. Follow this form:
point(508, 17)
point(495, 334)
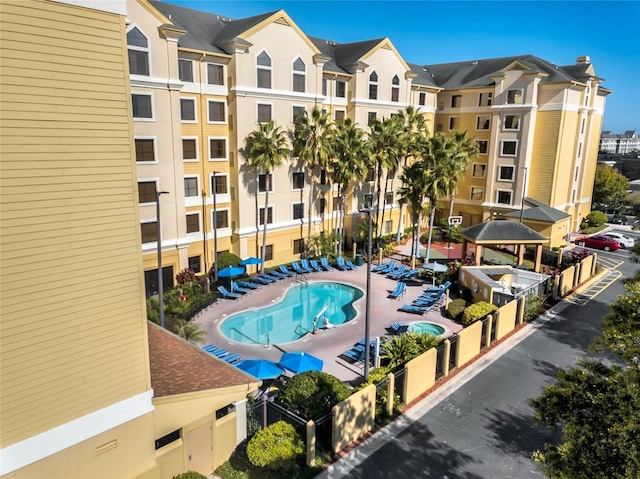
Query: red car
point(600, 242)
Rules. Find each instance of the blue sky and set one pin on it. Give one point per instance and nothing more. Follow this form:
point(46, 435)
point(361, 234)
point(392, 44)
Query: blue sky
point(449, 31)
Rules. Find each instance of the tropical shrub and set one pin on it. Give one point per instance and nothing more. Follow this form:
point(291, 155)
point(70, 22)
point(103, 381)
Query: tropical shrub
point(399, 350)
point(276, 447)
point(187, 275)
point(190, 475)
point(312, 394)
point(532, 307)
point(456, 308)
point(424, 341)
point(476, 312)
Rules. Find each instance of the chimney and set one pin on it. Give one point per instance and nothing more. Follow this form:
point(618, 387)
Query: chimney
point(583, 59)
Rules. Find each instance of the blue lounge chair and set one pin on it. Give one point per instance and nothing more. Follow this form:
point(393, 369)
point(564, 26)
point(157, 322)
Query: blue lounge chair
point(399, 291)
point(381, 267)
point(408, 275)
point(324, 262)
point(350, 265)
point(314, 264)
point(298, 269)
point(394, 274)
point(355, 356)
point(443, 287)
point(277, 275)
point(248, 285)
point(305, 265)
point(226, 294)
point(342, 265)
point(210, 348)
point(283, 269)
point(410, 308)
point(263, 280)
point(399, 328)
point(232, 358)
point(237, 289)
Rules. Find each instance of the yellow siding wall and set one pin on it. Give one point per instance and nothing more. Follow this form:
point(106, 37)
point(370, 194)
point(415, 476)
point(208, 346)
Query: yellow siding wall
point(565, 165)
point(543, 157)
point(353, 417)
point(73, 333)
point(468, 343)
point(506, 319)
point(420, 374)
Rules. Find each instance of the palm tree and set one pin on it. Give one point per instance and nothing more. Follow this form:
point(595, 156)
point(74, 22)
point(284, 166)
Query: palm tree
point(351, 151)
point(464, 151)
point(311, 141)
point(412, 193)
point(266, 149)
point(190, 331)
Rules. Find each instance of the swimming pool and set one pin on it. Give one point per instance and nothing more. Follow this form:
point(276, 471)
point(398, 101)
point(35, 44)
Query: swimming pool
point(292, 317)
point(426, 328)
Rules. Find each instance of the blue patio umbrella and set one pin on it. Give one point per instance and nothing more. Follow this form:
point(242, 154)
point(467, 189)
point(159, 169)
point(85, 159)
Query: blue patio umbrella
point(260, 368)
point(230, 272)
point(251, 260)
point(435, 267)
point(300, 362)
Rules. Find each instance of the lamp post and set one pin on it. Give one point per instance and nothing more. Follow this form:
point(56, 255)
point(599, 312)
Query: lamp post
point(367, 347)
point(159, 238)
point(214, 192)
point(524, 186)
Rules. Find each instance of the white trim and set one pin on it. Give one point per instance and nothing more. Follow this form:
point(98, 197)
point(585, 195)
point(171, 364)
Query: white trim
point(190, 213)
point(504, 122)
point(192, 200)
point(118, 7)
point(303, 210)
point(366, 103)
point(195, 109)
point(136, 48)
point(270, 93)
point(155, 149)
point(191, 160)
point(478, 121)
point(153, 109)
point(304, 180)
point(509, 155)
point(264, 67)
point(299, 72)
point(226, 229)
point(206, 71)
point(471, 198)
point(296, 106)
point(484, 171)
point(270, 105)
point(498, 190)
point(191, 62)
point(226, 148)
point(513, 174)
point(506, 97)
point(143, 81)
point(155, 180)
point(224, 112)
point(45, 444)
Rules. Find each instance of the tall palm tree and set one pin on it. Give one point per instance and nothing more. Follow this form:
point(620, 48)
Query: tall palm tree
point(266, 149)
point(351, 151)
point(464, 151)
point(412, 193)
point(311, 141)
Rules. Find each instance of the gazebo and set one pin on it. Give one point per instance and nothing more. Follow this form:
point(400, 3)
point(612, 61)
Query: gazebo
point(493, 233)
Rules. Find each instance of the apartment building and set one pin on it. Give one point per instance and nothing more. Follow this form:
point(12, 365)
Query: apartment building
point(621, 143)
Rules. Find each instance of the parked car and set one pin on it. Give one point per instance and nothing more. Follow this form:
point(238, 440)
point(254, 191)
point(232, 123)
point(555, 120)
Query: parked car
point(599, 242)
point(618, 220)
point(624, 240)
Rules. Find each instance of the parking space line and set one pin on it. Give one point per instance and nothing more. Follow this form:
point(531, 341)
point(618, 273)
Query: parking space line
point(584, 297)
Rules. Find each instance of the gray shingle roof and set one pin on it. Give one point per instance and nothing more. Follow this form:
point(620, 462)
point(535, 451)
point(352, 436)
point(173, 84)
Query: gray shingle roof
point(236, 27)
point(539, 212)
point(328, 49)
point(424, 78)
point(502, 232)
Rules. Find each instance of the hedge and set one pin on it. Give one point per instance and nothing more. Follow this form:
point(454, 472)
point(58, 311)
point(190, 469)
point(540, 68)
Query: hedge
point(476, 312)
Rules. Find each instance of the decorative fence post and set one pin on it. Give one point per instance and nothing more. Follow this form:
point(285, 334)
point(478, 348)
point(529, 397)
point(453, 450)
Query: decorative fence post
point(241, 420)
point(487, 333)
point(391, 387)
point(447, 353)
point(311, 443)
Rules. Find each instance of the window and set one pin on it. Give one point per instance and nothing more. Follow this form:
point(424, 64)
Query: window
point(322, 205)
point(189, 149)
point(264, 70)
point(505, 173)
point(477, 193)
point(509, 148)
point(338, 116)
point(262, 183)
point(194, 264)
point(454, 123)
point(388, 198)
point(191, 187)
point(503, 197)
point(217, 148)
point(269, 215)
point(219, 184)
point(323, 177)
point(324, 86)
point(268, 252)
point(141, 106)
point(185, 70)
point(514, 97)
point(298, 112)
point(483, 146)
point(298, 246)
point(456, 100)
point(298, 181)
point(264, 113)
point(221, 219)
point(579, 149)
point(582, 127)
point(145, 150)
point(138, 52)
point(187, 109)
point(341, 89)
point(146, 192)
point(368, 200)
point(299, 75)
point(298, 211)
point(215, 74)
point(149, 231)
point(193, 222)
point(483, 122)
point(422, 99)
point(512, 122)
point(486, 99)
point(439, 127)
point(372, 116)
point(479, 170)
point(395, 88)
point(216, 111)
point(172, 436)
point(336, 203)
point(371, 174)
point(388, 226)
point(373, 86)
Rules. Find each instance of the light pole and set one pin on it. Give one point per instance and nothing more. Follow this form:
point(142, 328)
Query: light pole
point(159, 238)
point(367, 347)
point(524, 186)
point(214, 192)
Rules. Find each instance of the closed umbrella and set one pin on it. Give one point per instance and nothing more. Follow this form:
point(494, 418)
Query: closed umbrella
point(230, 272)
point(260, 368)
point(300, 362)
point(435, 267)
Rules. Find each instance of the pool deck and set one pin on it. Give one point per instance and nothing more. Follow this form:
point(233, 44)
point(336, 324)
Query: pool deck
point(327, 344)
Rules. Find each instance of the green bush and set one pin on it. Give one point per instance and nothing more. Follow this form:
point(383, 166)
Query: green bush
point(311, 395)
point(190, 475)
point(276, 447)
point(456, 308)
point(596, 218)
point(375, 376)
point(476, 312)
point(532, 307)
point(226, 259)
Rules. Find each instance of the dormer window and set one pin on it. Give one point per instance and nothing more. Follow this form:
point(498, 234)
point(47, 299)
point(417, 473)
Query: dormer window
point(264, 70)
point(138, 47)
point(299, 75)
point(373, 86)
point(395, 88)
point(514, 97)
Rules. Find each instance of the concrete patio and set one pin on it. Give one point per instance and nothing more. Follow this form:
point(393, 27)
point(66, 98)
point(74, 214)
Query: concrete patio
point(330, 343)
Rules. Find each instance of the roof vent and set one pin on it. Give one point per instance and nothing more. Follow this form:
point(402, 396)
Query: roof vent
point(583, 59)
point(474, 63)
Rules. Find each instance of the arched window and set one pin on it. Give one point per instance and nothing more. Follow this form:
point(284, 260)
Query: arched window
point(264, 70)
point(373, 86)
point(299, 75)
point(138, 47)
point(395, 88)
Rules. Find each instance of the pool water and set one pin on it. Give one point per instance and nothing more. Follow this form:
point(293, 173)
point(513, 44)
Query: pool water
point(292, 317)
point(426, 328)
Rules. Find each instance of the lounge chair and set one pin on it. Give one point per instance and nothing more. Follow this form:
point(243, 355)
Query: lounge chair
point(283, 269)
point(298, 269)
point(226, 294)
point(305, 265)
point(443, 287)
point(398, 291)
point(399, 328)
point(410, 308)
point(398, 272)
point(263, 279)
point(381, 267)
point(408, 274)
point(324, 262)
point(391, 268)
point(342, 265)
point(354, 355)
point(277, 275)
point(314, 264)
point(232, 358)
point(350, 265)
point(248, 285)
point(237, 289)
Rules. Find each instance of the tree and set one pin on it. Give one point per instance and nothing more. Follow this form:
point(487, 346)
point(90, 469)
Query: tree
point(312, 394)
point(190, 331)
point(412, 193)
point(265, 149)
point(312, 144)
point(609, 186)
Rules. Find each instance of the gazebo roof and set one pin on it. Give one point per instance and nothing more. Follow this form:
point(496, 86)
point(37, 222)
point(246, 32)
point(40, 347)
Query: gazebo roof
point(539, 212)
point(502, 232)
